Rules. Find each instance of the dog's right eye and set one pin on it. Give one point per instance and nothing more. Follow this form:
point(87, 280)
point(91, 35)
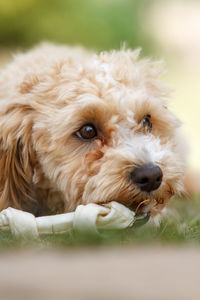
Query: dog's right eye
point(87, 132)
point(146, 123)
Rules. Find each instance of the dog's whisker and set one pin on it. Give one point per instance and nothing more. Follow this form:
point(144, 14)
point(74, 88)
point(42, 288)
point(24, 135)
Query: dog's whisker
point(141, 203)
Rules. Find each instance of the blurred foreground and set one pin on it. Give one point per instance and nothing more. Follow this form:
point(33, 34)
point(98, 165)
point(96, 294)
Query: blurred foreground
point(115, 274)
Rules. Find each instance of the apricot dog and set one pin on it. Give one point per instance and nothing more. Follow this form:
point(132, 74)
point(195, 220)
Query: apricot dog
point(77, 127)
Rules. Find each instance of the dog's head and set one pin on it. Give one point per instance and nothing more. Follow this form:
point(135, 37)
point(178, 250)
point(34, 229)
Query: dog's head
point(97, 130)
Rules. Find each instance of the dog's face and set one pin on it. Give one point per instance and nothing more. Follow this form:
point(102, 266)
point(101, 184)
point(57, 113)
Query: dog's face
point(102, 132)
point(111, 137)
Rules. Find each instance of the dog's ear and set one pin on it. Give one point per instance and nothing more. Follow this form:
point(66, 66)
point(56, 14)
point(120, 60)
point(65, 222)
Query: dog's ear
point(16, 156)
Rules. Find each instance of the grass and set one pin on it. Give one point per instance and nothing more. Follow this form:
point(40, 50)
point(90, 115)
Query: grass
point(181, 226)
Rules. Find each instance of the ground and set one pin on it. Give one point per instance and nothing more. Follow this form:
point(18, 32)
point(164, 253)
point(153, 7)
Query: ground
point(152, 273)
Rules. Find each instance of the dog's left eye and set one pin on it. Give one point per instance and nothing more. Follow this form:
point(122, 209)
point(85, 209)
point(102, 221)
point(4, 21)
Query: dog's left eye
point(87, 132)
point(146, 123)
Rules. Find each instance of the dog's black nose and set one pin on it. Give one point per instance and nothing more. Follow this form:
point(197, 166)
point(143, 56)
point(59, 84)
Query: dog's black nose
point(148, 177)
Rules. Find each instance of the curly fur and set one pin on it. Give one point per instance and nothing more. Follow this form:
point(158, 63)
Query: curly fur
point(47, 94)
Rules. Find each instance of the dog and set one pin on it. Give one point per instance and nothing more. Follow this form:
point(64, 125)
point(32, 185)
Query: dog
point(78, 127)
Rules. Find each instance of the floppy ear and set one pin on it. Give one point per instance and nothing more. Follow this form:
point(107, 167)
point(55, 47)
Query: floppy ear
point(16, 156)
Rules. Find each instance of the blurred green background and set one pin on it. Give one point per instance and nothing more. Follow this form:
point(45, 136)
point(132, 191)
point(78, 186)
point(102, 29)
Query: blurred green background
point(95, 23)
point(168, 29)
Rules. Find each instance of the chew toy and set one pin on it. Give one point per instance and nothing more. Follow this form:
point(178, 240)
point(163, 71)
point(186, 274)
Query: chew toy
point(91, 217)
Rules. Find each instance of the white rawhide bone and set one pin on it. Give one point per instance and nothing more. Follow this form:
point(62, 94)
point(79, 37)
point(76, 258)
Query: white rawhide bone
point(90, 217)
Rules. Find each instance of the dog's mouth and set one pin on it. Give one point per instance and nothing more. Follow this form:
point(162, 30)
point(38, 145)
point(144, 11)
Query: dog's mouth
point(142, 211)
point(142, 214)
point(142, 219)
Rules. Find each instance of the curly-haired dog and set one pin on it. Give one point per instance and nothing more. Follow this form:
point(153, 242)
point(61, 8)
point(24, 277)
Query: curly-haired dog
point(76, 127)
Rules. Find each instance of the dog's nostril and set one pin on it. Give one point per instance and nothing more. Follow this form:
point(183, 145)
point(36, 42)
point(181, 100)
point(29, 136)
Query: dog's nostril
point(144, 180)
point(148, 177)
point(159, 178)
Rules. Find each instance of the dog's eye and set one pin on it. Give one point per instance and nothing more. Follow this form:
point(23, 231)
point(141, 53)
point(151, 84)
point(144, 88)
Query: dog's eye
point(146, 123)
point(87, 132)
